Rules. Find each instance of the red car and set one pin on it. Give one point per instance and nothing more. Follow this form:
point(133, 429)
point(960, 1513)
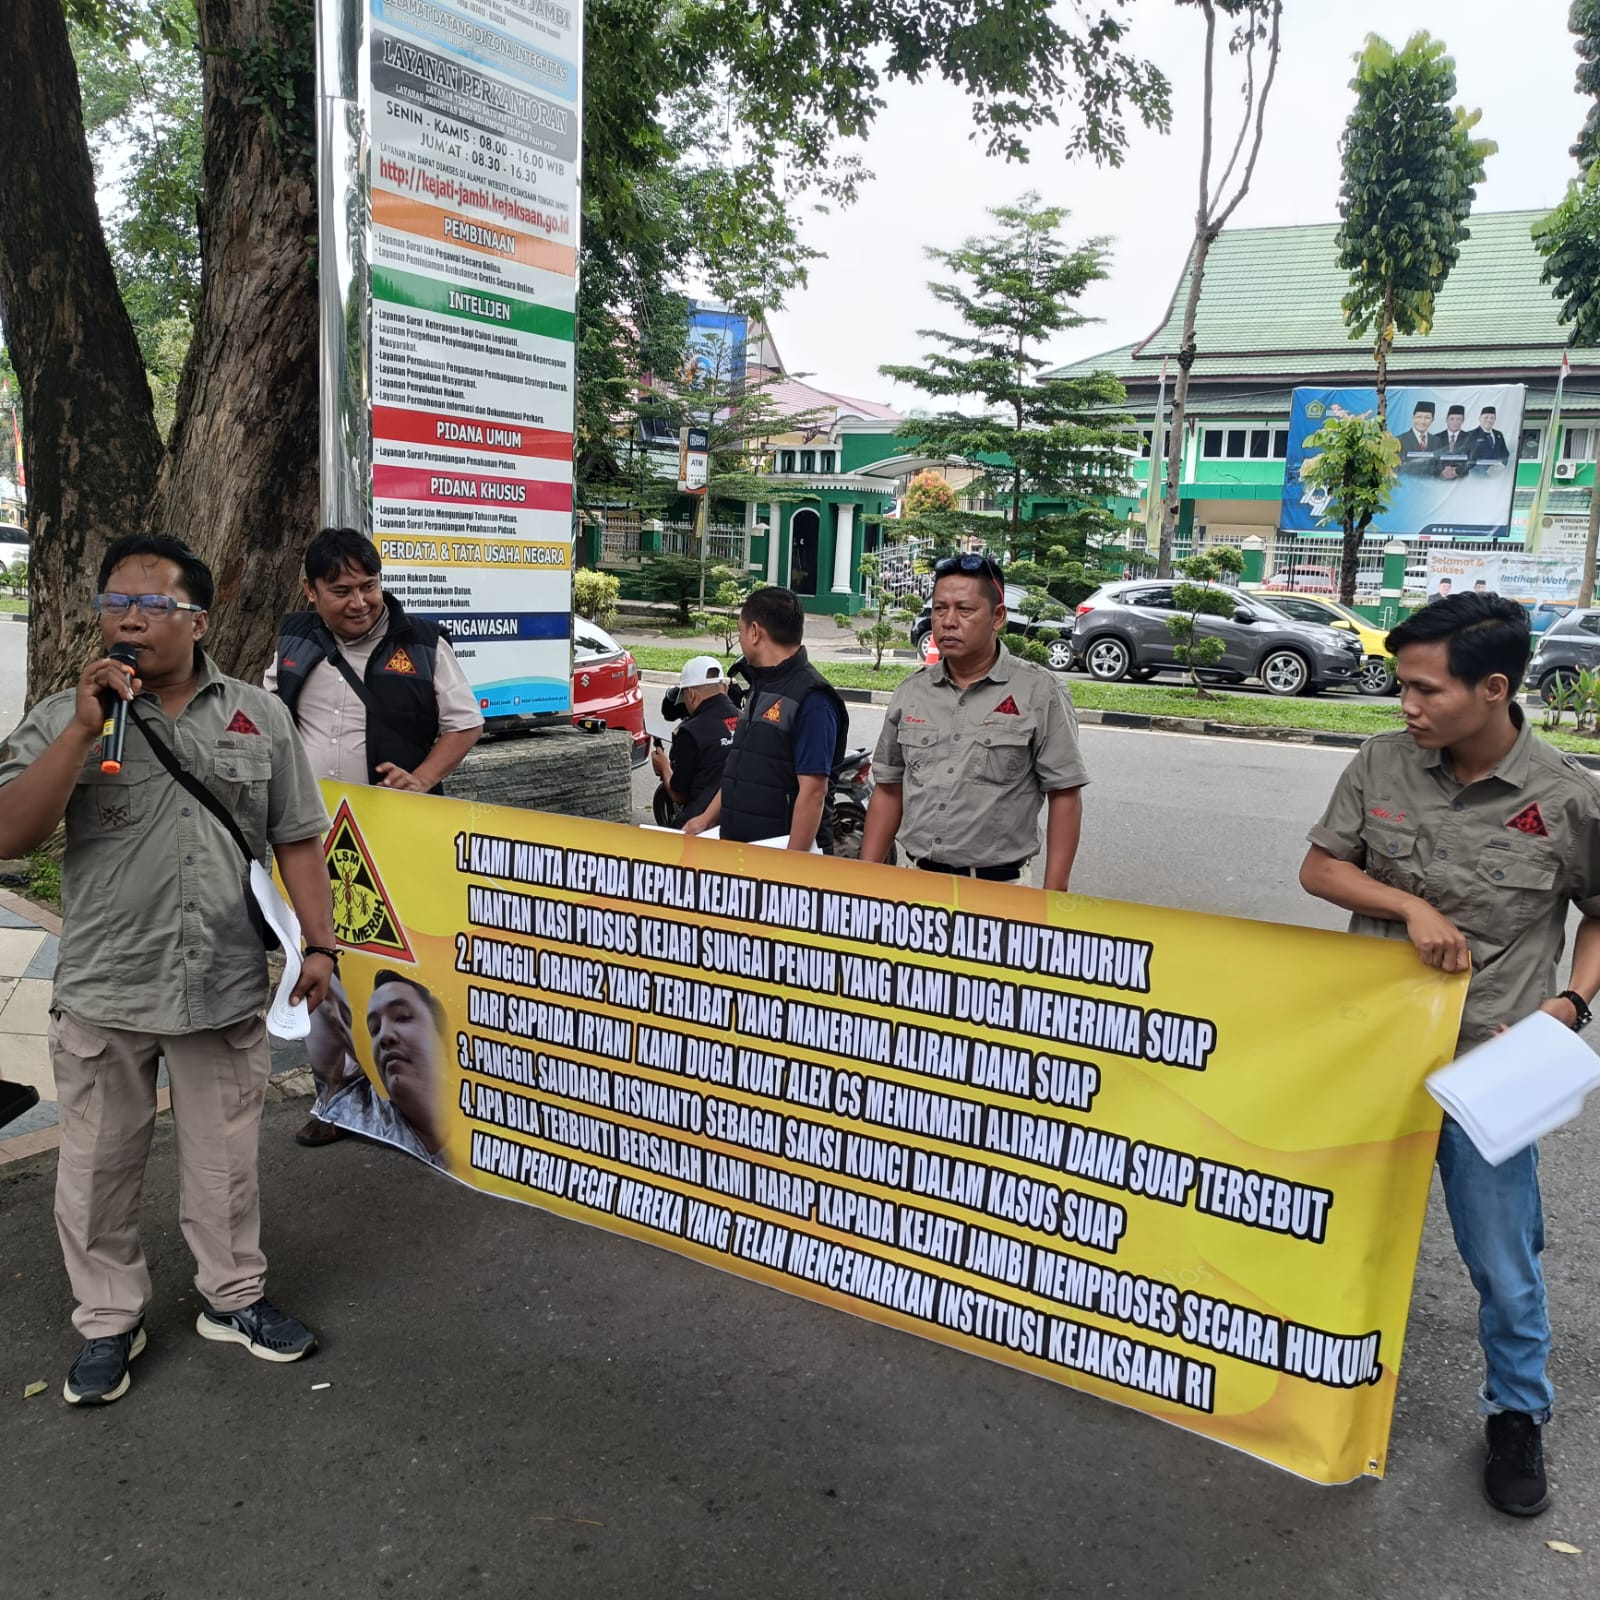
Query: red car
point(605, 684)
point(1305, 580)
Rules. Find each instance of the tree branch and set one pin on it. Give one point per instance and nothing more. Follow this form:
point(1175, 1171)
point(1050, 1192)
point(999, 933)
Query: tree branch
point(1261, 111)
point(1203, 215)
point(1249, 99)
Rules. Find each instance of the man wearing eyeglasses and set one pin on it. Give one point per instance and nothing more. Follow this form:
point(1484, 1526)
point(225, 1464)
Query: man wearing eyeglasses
point(973, 745)
point(159, 958)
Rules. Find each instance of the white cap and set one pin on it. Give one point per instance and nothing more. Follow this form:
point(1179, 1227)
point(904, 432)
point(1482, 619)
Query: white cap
point(701, 670)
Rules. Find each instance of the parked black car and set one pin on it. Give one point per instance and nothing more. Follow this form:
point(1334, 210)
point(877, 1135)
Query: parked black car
point(1563, 649)
point(1121, 631)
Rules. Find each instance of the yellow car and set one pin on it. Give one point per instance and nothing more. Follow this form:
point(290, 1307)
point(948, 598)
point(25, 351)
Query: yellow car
point(1377, 670)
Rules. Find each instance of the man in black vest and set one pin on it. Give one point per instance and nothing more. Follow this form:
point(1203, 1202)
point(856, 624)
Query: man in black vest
point(378, 696)
point(790, 735)
point(692, 773)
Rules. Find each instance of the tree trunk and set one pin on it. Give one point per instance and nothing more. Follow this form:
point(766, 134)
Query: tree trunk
point(1350, 562)
point(1180, 396)
point(240, 480)
point(1380, 354)
point(91, 447)
point(1586, 590)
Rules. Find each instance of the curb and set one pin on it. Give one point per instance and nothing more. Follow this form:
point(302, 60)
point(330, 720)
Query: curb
point(858, 697)
point(287, 1082)
point(1141, 721)
point(13, 616)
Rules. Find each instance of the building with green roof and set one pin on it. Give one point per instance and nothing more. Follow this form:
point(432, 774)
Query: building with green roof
point(1269, 320)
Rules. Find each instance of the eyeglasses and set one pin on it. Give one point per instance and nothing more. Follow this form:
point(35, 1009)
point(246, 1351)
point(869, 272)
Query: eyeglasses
point(150, 605)
point(972, 564)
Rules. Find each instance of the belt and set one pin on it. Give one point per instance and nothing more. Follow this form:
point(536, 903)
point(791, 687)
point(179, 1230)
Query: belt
point(1004, 873)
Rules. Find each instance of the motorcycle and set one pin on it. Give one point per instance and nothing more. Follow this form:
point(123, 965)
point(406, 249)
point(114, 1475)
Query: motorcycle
point(848, 793)
point(849, 788)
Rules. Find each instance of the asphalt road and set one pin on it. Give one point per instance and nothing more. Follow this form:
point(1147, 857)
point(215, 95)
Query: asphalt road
point(1207, 824)
point(13, 673)
point(519, 1406)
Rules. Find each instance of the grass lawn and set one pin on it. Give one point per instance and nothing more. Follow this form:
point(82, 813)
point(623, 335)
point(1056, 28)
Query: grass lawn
point(13, 602)
point(1324, 713)
point(841, 674)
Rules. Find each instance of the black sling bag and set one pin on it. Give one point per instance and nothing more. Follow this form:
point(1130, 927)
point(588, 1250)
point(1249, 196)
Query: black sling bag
point(187, 780)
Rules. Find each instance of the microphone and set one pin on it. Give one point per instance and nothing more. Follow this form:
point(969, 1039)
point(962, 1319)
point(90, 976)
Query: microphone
point(115, 728)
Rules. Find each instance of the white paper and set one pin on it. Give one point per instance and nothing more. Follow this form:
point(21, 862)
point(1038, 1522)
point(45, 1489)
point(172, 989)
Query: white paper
point(779, 843)
point(1518, 1086)
point(284, 1021)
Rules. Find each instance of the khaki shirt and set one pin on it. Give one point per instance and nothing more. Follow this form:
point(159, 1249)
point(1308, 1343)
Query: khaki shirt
point(1501, 858)
point(155, 933)
point(333, 721)
point(976, 763)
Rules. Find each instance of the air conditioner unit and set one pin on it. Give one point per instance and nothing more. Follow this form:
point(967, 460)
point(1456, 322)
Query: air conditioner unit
point(1566, 469)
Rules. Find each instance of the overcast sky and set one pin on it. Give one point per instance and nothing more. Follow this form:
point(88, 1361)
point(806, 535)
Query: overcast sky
point(865, 302)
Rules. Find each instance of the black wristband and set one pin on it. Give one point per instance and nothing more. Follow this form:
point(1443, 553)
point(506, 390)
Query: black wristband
point(1584, 1015)
point(321, 950)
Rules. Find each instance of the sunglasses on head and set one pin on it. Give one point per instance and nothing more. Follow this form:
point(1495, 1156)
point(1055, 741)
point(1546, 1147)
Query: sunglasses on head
point(152, 605)
point(971, 565)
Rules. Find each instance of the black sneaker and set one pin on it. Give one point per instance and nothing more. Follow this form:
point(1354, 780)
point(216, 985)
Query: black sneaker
point(1513, 1474)
point(262, 1329)
point(15, 1098)
point(100, 1374)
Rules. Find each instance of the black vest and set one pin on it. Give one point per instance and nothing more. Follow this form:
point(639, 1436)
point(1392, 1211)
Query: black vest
point(710, 729)
point(399, 680)
point(759, 784)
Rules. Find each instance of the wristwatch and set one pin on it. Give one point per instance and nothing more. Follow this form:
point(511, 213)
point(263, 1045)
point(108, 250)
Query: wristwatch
point(1585, 1015)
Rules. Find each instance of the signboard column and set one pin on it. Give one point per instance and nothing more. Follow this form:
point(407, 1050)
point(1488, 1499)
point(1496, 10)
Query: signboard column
point(466, 195)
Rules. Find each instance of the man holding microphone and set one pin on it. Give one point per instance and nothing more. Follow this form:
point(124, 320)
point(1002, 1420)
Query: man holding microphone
point(159, 956)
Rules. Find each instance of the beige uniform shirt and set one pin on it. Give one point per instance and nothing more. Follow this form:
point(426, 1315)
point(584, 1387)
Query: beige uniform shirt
point(333, 721)
point(1501, 858)
point(976, 763)
point(155, 933)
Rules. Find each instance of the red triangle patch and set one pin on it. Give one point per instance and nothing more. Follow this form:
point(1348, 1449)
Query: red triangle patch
point(1530, 820)
point(241, 724)
point(1006, 708)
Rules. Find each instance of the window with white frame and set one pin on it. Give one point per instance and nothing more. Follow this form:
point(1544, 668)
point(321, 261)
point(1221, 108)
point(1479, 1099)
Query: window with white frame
point(1244, 444)
point(1532, 445)
point(1577, 444)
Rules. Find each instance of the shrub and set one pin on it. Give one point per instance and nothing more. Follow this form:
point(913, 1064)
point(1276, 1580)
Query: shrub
point(594, 595)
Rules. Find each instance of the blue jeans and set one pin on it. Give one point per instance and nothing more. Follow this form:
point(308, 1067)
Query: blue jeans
point(1498, 1221)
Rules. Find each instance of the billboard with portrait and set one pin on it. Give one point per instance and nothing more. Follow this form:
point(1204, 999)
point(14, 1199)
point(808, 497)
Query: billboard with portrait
point(1458, 459)
point(715, 354)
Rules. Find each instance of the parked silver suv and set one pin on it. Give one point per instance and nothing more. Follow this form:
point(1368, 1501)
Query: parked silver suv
point(1121, 631)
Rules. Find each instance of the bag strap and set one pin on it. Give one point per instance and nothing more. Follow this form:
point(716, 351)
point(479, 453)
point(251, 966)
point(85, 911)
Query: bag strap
point(195, 787)
point(337, 658)
point(374, 712)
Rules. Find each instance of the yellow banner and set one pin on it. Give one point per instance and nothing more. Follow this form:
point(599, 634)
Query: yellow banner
point(1174, 1160)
